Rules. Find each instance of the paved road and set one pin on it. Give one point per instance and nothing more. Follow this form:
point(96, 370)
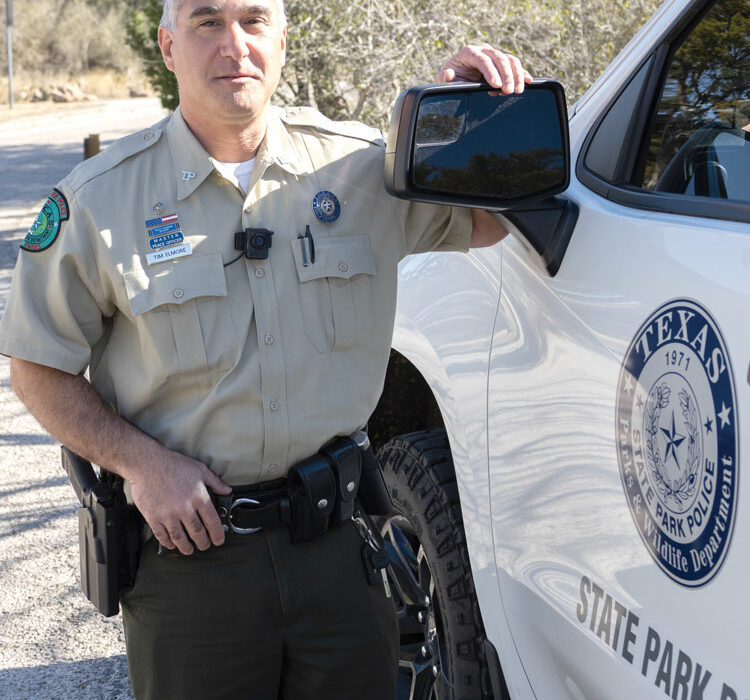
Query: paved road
point(53, 645)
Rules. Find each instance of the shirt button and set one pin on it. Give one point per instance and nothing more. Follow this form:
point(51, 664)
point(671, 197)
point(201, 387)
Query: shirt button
point(178, 293)
point(269, 339)
point(343, 266)
point(260, 272)
point(148, 135)
point(247, 209)
point(274, 406)
point(273, 468)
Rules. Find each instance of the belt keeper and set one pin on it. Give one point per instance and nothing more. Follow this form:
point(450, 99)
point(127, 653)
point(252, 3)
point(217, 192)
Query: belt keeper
point(223, 505)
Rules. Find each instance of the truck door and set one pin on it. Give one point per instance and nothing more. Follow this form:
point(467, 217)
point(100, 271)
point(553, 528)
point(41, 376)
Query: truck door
point(618, 389)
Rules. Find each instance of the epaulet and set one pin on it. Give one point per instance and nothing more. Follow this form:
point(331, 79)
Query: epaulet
point(113, 155)
point(307, 117)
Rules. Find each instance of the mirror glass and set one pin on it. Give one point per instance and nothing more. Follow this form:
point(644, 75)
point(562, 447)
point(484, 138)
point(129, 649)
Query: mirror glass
point(487, 144)
point(440, 120)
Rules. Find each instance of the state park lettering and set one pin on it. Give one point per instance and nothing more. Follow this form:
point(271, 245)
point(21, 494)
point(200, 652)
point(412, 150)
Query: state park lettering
point(671, 669)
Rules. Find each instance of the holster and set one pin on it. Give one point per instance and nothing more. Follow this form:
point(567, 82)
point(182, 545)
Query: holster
point(108, 533)
point(373, 493)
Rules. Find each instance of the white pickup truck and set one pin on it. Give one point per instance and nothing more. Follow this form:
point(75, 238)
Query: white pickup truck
point(571, 518)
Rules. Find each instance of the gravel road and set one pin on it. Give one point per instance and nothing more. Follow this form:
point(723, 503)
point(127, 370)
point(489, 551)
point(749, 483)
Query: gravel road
point(53, 645)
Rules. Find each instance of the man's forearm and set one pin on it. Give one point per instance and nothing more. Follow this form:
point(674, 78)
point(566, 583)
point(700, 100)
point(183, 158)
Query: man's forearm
point(170, 489)
point(486, 229)
point(71, 410)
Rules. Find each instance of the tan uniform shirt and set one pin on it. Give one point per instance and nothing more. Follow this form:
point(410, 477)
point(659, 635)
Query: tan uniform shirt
point(248, 366)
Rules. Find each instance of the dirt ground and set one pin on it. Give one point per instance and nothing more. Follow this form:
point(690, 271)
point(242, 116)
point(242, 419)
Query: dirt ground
point(53, 644)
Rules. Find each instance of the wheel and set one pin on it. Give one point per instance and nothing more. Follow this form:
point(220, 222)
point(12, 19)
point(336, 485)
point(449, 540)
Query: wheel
point(442, 637)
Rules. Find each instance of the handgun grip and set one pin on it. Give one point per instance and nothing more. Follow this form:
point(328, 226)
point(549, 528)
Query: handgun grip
point(80, 472)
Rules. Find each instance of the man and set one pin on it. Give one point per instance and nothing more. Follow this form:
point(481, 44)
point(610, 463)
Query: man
point(210, 370)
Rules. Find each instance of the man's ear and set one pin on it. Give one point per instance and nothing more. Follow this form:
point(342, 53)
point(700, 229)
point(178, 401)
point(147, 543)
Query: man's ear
point(283, 45)
point(165, 44)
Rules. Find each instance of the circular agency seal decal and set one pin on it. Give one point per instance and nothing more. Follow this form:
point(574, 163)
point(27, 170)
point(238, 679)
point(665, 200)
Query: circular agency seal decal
point(677, 440)
point(326, 206)
point(46, 226)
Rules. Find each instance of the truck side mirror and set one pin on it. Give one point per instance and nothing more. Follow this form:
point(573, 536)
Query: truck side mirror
point(468, 145)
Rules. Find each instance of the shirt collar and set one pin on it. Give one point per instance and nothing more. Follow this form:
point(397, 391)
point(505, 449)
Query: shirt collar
point(191, 161)
point(193, 164)
point(278, 148)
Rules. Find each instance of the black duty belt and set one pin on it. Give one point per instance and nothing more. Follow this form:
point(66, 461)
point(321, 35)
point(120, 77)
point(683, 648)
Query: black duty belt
point(251, 508)
point(319, 492)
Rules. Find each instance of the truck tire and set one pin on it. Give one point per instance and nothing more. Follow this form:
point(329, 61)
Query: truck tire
point(442, 637)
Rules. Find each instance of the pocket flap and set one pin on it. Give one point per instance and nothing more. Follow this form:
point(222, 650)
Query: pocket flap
point(183, 280)
point(335, 256)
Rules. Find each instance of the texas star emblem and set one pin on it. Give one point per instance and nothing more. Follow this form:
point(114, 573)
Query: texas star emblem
point(326, 206)
point(677, 440)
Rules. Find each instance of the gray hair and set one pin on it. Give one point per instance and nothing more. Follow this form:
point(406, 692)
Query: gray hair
point(170, 7)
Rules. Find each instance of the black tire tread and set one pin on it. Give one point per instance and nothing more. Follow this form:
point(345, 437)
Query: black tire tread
point(419, 473)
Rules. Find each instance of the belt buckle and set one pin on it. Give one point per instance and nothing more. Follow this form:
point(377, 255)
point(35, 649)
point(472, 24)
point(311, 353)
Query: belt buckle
point(242, 530)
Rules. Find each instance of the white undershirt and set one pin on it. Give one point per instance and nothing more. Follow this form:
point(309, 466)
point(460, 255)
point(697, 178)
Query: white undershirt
point(238, 173)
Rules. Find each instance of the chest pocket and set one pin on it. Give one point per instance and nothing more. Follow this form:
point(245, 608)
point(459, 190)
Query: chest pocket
point(336, 291)
point(183, 316)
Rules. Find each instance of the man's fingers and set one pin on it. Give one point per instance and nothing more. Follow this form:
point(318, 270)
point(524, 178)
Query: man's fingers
point(180, 539)
point(499, 69)
point(162, 536)
point(447, 75)
point(196, 531)
point(484, 60)
point(504, 67)
point(509, 68)
point(214, 483)
point(212, 523)
point(518, 73)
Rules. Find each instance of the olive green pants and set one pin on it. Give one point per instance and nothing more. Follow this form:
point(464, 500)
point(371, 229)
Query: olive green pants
point(261, 619)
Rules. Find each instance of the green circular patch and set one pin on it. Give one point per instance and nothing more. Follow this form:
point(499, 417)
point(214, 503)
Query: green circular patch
point(46, 226)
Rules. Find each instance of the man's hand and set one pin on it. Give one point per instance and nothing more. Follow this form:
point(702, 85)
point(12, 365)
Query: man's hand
point(171, 492)
point(483, 62)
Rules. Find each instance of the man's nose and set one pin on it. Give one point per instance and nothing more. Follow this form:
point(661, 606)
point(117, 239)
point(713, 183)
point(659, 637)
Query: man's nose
point(234, 44)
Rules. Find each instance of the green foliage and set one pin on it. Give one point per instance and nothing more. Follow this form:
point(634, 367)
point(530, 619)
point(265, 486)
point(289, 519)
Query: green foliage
point(141, 28)
point(67, 36)
point(712, 68)
point(707, 86)
point(350, 58)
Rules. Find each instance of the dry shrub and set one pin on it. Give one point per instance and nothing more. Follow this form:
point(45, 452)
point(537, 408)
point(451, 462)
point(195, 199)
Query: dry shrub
point(349, 58)
point(64, 40)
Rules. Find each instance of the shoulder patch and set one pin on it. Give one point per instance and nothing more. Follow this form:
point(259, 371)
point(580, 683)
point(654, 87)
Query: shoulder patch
point(46, 226)
point(309, 117)
point(113, 155)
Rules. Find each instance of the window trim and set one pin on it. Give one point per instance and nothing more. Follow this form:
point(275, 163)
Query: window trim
point(632, 160)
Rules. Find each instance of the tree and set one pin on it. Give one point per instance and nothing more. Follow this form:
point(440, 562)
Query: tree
point(87, 35)
point(141, 29)
point(350, 58)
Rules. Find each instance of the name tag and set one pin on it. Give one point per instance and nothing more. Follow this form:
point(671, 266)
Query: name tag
point(169, 254)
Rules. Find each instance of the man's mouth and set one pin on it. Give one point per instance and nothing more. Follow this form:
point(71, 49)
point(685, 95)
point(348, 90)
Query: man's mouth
point(241, 77)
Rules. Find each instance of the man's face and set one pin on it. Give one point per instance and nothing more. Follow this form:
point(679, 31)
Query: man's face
point(227, 56)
